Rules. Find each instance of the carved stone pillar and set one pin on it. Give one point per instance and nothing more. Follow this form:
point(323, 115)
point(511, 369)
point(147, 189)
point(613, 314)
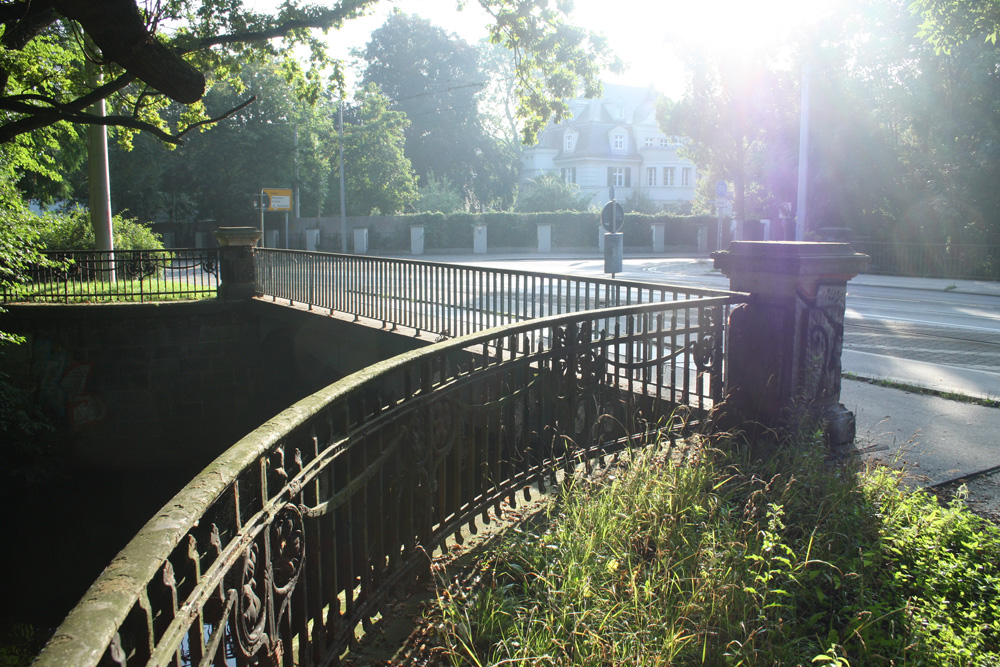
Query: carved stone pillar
point(236, 262)
point(784, 346)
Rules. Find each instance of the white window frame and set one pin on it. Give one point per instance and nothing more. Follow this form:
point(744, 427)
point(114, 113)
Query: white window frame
point(619, 142)
point(649, 142)
point(669, 176)
point(686, 177)
point(619, 111)
point(569, 174)
point(618, 176)
point(664, 142)
point(569, 142)
point(651, 176)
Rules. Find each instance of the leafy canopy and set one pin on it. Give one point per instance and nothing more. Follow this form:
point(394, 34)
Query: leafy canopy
point(59, 57)
point(436, 79)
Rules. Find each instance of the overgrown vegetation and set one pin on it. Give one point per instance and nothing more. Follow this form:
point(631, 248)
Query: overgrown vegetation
point(72, 230)
point(926, 391)
point(721, 553)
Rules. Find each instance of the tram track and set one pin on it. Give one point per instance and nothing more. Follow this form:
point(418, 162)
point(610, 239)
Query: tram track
point(977, 349)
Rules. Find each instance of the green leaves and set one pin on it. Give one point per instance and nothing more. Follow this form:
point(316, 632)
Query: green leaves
point(174, 46)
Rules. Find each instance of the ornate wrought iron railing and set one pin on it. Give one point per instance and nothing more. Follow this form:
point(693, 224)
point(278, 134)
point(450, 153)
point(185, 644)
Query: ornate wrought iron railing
point(299, 533)
point(451, 299)
point(122, 275)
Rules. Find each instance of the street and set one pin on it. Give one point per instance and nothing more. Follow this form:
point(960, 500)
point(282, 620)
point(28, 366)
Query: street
point(936, 333)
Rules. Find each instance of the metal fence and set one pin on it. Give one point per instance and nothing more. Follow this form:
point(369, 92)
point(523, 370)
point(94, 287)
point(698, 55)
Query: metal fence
point(122, 275)
point(932, 260)
point(449, 299)
point(299, 533)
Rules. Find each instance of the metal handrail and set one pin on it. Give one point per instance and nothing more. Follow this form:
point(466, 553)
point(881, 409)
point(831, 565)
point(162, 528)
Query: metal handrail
point(78, 276)
point(299, 532)
point(444, 298)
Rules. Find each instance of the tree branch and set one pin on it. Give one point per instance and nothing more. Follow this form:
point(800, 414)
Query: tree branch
point(323, 21)
point(119, 30)
point(37, 117)
point(15, 102)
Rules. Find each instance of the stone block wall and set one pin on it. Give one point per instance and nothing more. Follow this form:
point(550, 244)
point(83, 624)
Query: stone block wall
point(139, 385)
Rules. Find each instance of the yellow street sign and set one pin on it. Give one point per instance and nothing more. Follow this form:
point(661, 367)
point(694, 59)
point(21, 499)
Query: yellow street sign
point(278, 199)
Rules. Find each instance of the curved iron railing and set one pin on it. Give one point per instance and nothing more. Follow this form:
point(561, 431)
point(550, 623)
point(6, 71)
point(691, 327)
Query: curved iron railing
point(449, 299)
point(300, 532)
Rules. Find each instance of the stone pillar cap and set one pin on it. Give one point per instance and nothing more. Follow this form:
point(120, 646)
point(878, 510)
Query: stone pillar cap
point(790, 258)
point(230, 236)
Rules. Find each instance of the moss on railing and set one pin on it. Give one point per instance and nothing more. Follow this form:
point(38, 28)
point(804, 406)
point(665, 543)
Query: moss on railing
point(436, 436)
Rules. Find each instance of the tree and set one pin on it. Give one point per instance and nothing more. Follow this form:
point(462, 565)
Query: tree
point(950, 23)
point(438, 196)
point(548, 193)
point(738, 117)
point(45, 44)
point(18, 242)
point(378, 176)
point(904, 145)
point(434, 78)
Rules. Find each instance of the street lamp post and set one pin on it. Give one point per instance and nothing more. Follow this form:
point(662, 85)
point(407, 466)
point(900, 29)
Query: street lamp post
point(803, 184)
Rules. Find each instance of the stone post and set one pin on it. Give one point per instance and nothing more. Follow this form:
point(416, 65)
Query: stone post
point(236, 262)
point(784, 346)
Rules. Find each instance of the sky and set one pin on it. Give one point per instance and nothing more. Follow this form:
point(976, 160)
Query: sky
point(646, 34)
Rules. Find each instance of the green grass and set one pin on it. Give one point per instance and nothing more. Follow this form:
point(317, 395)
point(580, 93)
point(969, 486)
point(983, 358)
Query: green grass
point(917, 389)
point(159, 289)
point(726, 554)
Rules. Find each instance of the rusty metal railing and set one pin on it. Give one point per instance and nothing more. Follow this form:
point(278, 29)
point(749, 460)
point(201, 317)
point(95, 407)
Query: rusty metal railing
point(121, 275)
point(443, 298)
point(299, 533)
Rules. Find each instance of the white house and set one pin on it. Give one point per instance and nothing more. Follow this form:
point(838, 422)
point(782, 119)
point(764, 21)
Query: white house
point(616, 141)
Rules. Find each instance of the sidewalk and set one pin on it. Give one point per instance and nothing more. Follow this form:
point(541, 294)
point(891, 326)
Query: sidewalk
point(935, 439)
point(943, 285)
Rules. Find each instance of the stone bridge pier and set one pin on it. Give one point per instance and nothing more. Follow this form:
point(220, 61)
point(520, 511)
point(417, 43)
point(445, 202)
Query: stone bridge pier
point(236, 261)
point(784, 345)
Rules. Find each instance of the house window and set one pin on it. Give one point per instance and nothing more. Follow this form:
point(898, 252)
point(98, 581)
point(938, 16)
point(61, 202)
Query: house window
point(649, 143)
point(664, 143)
point(620, 176)
point(569, 142)
point(686, 177)
point(569, 175)
point(619, 142)
point(668, 175)
point(619, 111)
point(651, 176)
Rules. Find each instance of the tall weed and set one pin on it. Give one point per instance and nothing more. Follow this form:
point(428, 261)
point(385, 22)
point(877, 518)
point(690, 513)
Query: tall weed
point(719, 552)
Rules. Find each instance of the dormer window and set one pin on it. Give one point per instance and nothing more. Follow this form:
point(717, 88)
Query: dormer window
point(619, 111)
point(649, 142)
point(569, 142)
point(618, 141)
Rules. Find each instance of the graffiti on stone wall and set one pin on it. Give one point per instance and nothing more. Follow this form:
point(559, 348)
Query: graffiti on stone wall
point(63, 386)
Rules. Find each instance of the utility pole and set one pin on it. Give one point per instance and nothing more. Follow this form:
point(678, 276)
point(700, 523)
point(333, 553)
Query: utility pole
point(97, 165)
point(803, 184)
point(295, 194)
point(343, 206)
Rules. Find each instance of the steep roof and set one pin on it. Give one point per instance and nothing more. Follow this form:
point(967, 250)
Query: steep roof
point(592, 120)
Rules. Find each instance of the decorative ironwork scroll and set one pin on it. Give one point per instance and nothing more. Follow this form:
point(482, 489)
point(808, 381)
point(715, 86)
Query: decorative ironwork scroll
point(302, 531)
